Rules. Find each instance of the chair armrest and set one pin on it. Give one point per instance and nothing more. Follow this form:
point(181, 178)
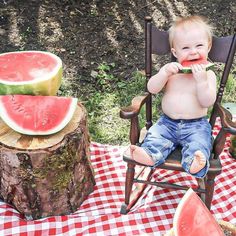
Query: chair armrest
point(135, 107)
point(226, 119)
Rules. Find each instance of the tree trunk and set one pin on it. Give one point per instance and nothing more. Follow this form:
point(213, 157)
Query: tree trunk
point(46, 175)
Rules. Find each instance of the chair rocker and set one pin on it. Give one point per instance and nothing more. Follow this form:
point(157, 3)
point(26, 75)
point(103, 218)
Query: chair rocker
point(156, 42)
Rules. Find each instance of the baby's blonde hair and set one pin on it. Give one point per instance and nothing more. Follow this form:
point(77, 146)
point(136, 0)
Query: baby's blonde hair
point(188, 21)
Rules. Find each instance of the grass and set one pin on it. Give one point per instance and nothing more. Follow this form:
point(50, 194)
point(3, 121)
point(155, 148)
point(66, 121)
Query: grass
point(104, 104)
point(107, 94)
point(230, 88)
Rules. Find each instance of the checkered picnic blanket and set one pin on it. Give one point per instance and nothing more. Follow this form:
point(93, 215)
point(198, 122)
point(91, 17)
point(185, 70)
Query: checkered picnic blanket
point(100, 212)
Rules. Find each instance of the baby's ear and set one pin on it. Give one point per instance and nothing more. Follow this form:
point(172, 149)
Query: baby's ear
point(173, 52)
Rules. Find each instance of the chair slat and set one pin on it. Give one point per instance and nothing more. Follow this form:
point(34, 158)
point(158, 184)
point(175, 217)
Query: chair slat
point(160, 42)
point(220, 48)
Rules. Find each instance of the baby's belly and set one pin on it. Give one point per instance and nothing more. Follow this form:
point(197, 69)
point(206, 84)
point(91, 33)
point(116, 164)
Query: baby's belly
point(182, 106)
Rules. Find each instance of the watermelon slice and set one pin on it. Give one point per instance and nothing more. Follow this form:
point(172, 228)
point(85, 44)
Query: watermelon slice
point(193, 218)
point(187, 69)
point(37, 115)
point(30, 72)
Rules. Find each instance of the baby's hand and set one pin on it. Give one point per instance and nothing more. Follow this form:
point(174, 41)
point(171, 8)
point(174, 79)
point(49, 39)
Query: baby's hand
point(199, 72)
point(172, 68)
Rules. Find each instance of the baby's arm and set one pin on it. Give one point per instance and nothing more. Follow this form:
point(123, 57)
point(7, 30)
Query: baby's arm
point(158, 81)
point(206, 85)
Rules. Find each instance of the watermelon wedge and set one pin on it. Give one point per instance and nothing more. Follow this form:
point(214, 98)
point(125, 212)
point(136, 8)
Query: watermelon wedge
point(187, 69)
point(193, 218)
point(37, 115)
point(30, 72)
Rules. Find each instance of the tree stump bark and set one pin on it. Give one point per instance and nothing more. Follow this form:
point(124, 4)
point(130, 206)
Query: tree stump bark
point(46, 175)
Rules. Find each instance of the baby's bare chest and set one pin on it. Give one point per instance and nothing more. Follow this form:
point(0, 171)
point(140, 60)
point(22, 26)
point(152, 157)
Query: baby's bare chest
point(181, 84)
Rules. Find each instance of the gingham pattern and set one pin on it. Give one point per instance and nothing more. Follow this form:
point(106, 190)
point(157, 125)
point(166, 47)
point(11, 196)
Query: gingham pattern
point(99, 214)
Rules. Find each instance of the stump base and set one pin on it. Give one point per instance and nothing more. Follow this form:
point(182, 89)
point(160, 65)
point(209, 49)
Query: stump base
point(52, 180)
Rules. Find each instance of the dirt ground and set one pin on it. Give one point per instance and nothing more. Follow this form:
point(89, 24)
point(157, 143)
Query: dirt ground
point(88, 32)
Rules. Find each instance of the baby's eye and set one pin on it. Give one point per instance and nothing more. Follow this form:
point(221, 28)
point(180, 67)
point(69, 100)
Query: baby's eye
point(184, 48)
point(200, 45)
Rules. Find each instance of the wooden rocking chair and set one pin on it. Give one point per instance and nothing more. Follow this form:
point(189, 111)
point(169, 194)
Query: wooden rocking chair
point(156, 42)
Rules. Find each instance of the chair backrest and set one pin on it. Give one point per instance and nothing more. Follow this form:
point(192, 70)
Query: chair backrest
point(157, 42)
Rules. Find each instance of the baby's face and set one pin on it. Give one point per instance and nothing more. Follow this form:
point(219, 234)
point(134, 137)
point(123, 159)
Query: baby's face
point(190, 44)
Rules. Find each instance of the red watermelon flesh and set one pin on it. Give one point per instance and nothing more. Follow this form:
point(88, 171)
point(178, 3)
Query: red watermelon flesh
point(14, 66)
point(193, 218)
point(194, 62)
point(187, 64)
point(37, 115)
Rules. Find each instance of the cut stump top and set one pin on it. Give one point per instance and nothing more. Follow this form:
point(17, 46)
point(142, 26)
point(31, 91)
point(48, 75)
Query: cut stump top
point(13, 139)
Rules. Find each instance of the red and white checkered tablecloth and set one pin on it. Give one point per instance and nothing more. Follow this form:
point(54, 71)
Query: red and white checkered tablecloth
point(99, 214)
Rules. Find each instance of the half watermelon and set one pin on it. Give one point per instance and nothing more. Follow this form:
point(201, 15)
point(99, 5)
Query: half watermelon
point(37, 115)
point(193, 218)
point(30, 72)
point(186, 65)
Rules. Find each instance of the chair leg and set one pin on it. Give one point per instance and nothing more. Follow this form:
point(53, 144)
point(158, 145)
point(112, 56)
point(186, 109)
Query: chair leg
point(133, 194)
point(129, 180)
point(210, 184)
point(202, 185)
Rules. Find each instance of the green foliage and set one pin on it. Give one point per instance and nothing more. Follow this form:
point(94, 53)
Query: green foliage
point(105, 80)
point(104, 123)
point(103, 104)
point(230, 88)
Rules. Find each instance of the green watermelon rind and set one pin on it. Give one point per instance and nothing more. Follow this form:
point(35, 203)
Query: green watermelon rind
point(188, 70)
point(13, 125)
point(47, 86)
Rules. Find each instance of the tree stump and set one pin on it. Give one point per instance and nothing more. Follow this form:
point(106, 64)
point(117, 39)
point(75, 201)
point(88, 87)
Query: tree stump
point(46, 175)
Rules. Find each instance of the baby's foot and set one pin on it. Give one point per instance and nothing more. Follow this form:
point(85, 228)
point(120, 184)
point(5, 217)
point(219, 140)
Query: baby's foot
point(138, 154)
point(199, 162)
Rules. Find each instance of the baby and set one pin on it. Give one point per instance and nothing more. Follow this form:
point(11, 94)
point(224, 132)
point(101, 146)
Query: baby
point(186, 100)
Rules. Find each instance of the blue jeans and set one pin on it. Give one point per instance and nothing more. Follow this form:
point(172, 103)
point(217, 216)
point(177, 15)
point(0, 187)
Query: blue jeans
point(193, 135)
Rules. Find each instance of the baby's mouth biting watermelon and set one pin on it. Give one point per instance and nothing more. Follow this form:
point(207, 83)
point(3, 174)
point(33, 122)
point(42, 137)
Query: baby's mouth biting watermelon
point(188, 63)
